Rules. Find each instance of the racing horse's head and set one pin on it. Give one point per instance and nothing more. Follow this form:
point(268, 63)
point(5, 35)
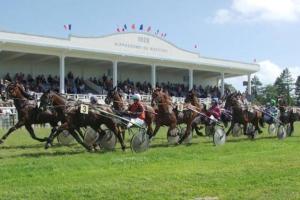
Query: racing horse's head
point(111, 95)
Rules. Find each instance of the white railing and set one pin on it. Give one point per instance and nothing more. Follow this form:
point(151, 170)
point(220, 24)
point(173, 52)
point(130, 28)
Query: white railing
point(145, 98)
point(7, 116)
point(101, 98)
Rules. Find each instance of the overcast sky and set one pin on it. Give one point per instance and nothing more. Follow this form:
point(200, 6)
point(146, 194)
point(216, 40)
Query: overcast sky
point(243, 30)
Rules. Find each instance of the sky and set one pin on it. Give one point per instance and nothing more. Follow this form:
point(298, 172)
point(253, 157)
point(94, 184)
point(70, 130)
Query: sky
point(243, 30)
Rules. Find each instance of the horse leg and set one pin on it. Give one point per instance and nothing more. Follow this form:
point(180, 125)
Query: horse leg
point(32, 134)
point(155, 131)
point(197, 129)
point(292, 127)
point(77, 138)
point(80, 133)
point(257, 121)
point(187, 132)
point(12, 129)
point(118, 133)
point(54, 134)
point(230, 128)
point(149, 129)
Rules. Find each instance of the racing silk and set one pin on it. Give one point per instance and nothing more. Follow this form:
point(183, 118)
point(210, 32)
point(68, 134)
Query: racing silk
point(215, 111)
point(272, 111)
point(271, 114)
point(137, 110)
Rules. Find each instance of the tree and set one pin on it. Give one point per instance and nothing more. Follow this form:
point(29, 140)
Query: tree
point(284, 85)
point(229, 88)
point(297, 91)
point(255, 86)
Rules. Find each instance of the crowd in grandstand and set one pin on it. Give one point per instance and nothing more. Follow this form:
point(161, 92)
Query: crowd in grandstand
point(76, 85)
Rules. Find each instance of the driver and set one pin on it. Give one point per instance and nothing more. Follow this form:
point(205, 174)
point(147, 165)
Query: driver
point(214, 111)
point(136, 112)
point(93, 100)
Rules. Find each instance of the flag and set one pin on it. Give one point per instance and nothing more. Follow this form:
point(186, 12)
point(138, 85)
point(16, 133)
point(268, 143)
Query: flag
point(149, 29)
point(165, 35)
point(196, 46)
point(118, 29)
point(133, 26)
point(141, 27)
point(156, 33)
point(161, 35)
point(125, 27)
point(68, 26)
point(254, 60)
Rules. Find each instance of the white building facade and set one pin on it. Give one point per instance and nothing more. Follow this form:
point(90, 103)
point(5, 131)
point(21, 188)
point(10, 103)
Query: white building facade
point(129, 55)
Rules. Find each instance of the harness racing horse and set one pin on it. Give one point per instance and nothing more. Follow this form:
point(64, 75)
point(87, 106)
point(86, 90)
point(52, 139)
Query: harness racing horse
point(96, 116)
point(165, 114)
point(28, 112)
point(119, 106)
point(190, 115)
point(288, 115)
point(242, 116)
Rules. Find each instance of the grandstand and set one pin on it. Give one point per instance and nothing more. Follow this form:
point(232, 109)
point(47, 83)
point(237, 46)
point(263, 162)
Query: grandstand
point(134, 61)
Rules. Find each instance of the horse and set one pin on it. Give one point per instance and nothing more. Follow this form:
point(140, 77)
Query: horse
point(95, 117)
point(119, 106)
point(189, 117)
point(242, 116)
point(165, 114)
point(28, 112)
point(288, 115)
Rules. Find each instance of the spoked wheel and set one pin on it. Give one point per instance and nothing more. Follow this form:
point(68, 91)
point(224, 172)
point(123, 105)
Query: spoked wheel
point(288, 130)
point(188, 139)
point(281, 133)
point(108, 141)
point(237, 130)
point(90, 137)
point(65, 138)
point(174, 136)
point(219, 136)
point(140, 141)
point(250, 131)
point(272, 129)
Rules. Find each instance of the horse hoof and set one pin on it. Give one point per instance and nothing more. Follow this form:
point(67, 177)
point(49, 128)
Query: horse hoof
point(47, 146)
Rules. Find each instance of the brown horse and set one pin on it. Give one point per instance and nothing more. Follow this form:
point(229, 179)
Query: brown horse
point(288, 115)
point(165, 114)
point(96, 116)
point(242, 116)
point(188, 115)
point(119, 106)
point(28, 112)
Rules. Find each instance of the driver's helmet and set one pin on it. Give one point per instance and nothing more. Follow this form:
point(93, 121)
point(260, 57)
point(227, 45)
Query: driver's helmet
point(93, 100)
point(273, 102)
point(136, 97)
point(214, 101)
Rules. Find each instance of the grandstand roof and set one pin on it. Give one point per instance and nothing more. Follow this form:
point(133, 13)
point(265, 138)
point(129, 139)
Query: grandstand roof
point(132, 47)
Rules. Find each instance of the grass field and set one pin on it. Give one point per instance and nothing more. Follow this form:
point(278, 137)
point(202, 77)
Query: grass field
point(241, 169)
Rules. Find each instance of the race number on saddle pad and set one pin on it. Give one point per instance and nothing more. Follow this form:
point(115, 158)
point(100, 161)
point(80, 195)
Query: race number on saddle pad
point(84, 109)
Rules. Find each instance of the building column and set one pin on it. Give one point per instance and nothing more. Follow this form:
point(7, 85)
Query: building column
point(153, 76)
point(115, 73)
point(191, 79)
point(62, 74)
point(249, 84)
point(222, 85)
